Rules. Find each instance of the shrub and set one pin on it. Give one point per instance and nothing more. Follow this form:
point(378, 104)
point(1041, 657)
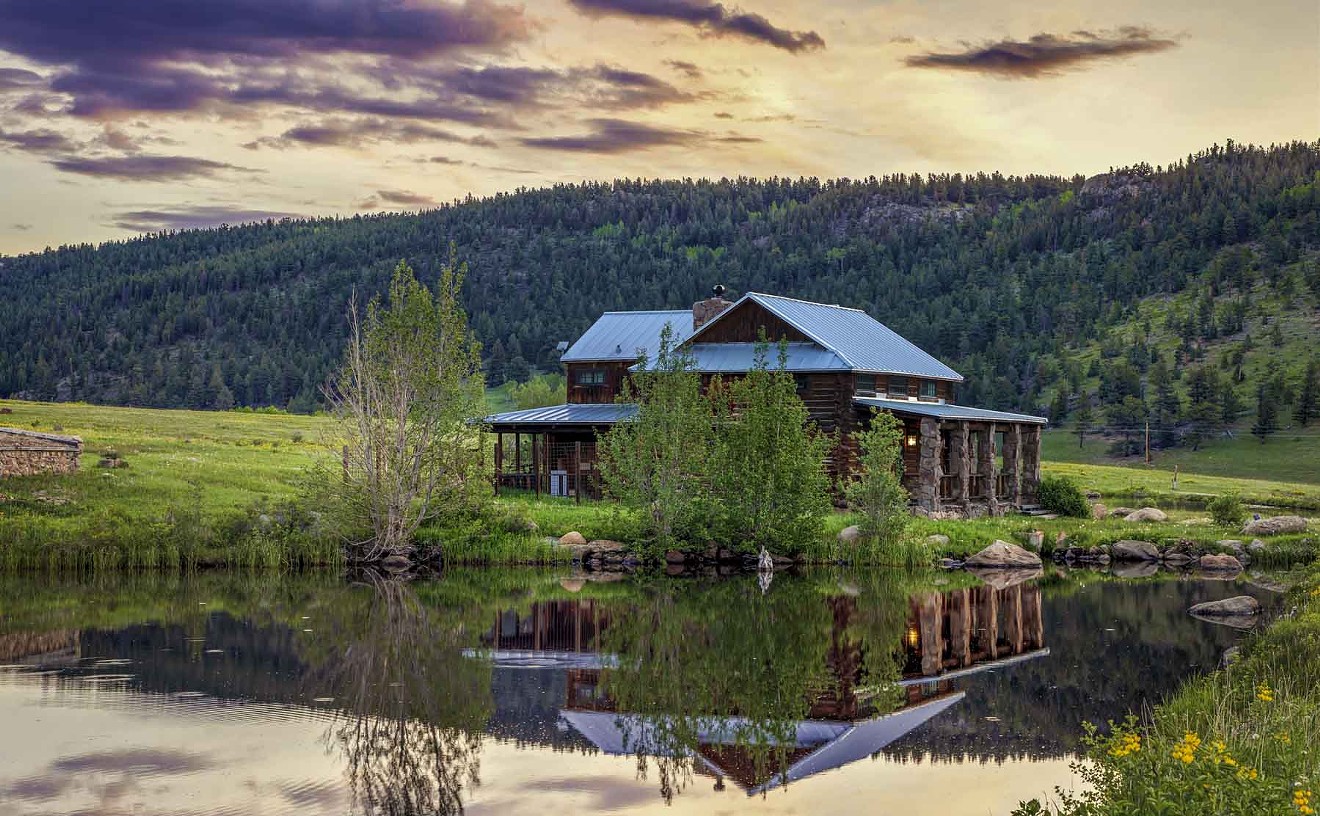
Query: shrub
point(877, 493)
point(1063, 496)
point(1227, 509)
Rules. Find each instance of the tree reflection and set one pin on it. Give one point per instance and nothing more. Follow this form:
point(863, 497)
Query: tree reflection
point(716, 678)
point(412, 708)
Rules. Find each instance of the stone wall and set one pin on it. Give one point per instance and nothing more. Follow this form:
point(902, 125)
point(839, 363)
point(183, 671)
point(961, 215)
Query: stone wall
point(26, 453)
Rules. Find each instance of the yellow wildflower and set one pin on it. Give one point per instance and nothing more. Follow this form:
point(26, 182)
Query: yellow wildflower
point(1264, 693)
point(1185, 750)
point(1125, 744)
point(1283, 737)
point(1302, 801)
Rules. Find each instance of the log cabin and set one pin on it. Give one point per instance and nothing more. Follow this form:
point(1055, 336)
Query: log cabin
point(957, 459)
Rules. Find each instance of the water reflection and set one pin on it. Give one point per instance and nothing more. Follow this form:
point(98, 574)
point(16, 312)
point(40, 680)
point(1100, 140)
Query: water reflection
point(401, 690)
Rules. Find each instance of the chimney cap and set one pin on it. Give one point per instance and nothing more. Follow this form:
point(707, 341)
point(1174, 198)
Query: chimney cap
point(718, 290)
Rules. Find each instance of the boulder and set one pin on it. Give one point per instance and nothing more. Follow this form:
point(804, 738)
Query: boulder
point(1275, 526)
point(1134, 551)
point(1147, 514)
point(1230, 656)
point(1179, 559)
point(1005, 555)
point(938, 540)
point(1035, 540)
point(850, 535)
point(1230, 544)
point(1220, 563)
point(1099, 511)
point(396, 563)
point(1239, 612)
point(1256, 546)
point(572, 538)
point(1092, 495)
point(573, 584)
point(675, 557)
point(604, 545)
point(1120, 512)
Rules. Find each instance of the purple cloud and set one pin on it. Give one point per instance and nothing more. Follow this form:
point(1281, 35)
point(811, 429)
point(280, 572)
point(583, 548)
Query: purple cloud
point(199, 217)
point(712, 18)
point(43, 140)
point(1045, 54)
point(616, 136)
point(144, 168)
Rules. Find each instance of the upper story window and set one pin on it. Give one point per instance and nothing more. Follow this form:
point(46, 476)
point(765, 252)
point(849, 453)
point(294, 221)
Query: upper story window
point(928, 391)
point(866, 383)
point(802, 381)
point(590, 376)
point(898, 387)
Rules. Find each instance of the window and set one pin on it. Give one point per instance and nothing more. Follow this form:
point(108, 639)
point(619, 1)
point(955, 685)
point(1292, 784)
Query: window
point(590, 376)
point(866, 384)
point(802, 382)
point(928, 390)
point(898, 387)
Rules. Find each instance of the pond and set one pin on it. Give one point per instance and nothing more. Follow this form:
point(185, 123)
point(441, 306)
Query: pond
point(527, 691)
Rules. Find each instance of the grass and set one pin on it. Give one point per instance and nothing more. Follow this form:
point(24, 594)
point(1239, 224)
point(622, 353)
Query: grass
point(1241, 740)
point(219, 488)
point(1284, 472)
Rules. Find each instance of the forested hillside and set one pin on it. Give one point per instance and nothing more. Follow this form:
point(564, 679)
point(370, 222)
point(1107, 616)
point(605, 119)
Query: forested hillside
point(1025, 285)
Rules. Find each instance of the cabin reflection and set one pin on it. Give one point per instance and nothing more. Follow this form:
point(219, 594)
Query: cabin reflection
point(946, 635)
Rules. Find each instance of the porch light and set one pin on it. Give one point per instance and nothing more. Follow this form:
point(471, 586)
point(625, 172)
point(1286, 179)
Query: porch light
point(912, 440)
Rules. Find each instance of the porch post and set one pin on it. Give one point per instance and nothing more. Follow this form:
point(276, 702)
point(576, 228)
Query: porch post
point(986, 463)
point(577, 472)
point(928, 464)
point(499, 460)
point(536, 464)
point(959, 448)
point(1030, 463)
point(1013, 462)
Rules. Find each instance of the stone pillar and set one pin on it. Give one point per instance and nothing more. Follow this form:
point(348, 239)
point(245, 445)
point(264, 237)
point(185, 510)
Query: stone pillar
point(1013, 463)
point(986, 463)
point(1030, 479)
point(927, 494)
point(961, 460)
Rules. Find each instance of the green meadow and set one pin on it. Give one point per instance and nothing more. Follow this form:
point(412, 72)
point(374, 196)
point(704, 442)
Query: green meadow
point(211, 488)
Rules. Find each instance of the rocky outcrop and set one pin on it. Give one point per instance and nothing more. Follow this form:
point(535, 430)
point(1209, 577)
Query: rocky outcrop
point(1147, 514)
point(1134, 551)
point(1002, 554)
point(1275, 525)
point(573, 539)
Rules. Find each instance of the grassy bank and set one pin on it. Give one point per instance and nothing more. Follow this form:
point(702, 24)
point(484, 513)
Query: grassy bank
point(207, 488)
point(1239, 741)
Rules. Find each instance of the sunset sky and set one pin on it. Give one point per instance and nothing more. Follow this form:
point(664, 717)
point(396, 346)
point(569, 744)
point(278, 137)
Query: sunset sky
point(121, 116)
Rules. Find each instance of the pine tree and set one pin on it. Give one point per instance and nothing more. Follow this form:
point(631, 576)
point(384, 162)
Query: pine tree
point(1308, 401)
point(1267, 413)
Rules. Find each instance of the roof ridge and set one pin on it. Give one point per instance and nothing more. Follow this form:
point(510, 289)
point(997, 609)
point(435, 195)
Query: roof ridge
point(648, 311)
point(808, 302)
point(795, 324)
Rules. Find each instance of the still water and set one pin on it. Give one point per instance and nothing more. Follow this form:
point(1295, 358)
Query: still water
point(516, 691)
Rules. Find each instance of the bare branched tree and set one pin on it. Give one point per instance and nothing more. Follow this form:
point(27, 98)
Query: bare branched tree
point(409, 400)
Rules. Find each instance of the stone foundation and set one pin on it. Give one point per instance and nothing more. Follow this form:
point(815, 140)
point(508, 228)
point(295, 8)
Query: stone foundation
point(27, 453)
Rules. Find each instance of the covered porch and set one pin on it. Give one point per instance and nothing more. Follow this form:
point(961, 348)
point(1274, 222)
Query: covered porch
point(970, 460)
point(552, 451)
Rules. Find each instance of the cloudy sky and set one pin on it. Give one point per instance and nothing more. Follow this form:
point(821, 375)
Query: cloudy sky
point(124, 116)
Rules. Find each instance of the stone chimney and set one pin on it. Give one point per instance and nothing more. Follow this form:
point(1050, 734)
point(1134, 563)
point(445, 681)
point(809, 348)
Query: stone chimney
point(704, 311)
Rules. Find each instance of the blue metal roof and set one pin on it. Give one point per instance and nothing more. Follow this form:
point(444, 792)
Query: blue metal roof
point(593, 414)
point(623, 335)
point(864, 343)
point(946, 411)
point(725, 358)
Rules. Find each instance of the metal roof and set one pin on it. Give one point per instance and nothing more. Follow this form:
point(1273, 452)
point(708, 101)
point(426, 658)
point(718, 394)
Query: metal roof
point(573, 414)
point(723, 358)
point(946, 411)
point(863, 342)
point(624, 335)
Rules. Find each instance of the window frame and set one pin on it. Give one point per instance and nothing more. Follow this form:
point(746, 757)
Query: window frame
point(890, 389)
point(860, 388)
point(589, 377)
point(932, 386)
